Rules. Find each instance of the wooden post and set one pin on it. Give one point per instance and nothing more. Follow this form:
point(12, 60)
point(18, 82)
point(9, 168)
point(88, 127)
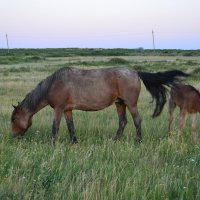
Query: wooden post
point(7, 43)
point(153, 40)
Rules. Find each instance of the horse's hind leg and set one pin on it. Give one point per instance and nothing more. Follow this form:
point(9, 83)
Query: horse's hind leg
point(70, 125)
point(172, 106)
point(56, 124)
point(194, 123)
point(137, 121)
point(121, 110)
point(182, 120)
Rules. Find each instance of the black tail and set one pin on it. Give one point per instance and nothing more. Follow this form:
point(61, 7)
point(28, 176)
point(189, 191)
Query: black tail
point(155, 83)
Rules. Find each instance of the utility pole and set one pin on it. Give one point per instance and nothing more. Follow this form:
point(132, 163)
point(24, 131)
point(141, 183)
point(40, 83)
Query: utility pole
point(153, 40)
point(7, 43)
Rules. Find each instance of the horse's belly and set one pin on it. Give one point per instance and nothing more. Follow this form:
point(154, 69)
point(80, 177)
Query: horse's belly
point(90, 102)
point(91, 105)
point(94, 96)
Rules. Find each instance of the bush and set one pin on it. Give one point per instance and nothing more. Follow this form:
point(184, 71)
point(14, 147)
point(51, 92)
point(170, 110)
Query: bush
point(33, 59)
point(21, 69)
point(120, 61)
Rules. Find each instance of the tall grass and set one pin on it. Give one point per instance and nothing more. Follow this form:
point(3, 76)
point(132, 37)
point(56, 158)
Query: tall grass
point(97, 167)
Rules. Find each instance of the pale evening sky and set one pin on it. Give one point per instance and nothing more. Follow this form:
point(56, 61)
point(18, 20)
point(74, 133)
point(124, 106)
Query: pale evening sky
point(100, 23)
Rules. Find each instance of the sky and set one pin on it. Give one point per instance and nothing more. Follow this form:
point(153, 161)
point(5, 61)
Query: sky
point(100, 23)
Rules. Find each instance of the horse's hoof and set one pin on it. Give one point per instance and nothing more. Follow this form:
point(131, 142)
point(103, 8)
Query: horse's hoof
point(74, 140)
point(53, 143)
point(138, 140)
point(116, 138)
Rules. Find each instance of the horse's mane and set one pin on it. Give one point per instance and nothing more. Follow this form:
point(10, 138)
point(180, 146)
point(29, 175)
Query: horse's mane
point(41, 91)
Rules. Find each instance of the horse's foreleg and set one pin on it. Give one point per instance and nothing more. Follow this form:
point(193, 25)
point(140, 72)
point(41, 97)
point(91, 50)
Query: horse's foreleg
point(137, 121)
point(182, 120)
point(121, 111)
point(194, 123)
point(56, 124)
point(70, 125)
point(172, 106)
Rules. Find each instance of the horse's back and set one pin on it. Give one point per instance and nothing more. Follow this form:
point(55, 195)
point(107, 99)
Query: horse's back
point(103, 76)
point(183, 91)
point(186, 96)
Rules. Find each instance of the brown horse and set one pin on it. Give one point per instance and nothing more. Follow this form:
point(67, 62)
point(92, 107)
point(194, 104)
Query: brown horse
point(90, 90)
point(187, 98)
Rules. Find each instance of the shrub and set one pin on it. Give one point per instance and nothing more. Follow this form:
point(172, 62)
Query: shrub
point(120, 61)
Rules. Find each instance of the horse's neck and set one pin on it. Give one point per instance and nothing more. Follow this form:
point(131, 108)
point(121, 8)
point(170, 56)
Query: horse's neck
point(41, 105)
point(34, 102)
point(38, 108)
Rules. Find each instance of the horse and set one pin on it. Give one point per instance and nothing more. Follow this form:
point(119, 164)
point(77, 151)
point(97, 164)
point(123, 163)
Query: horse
point(187, 98)
point(72, 88)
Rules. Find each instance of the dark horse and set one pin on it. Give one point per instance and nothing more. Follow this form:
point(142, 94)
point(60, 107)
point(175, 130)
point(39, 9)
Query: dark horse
point(187, 98)
point(90, 90)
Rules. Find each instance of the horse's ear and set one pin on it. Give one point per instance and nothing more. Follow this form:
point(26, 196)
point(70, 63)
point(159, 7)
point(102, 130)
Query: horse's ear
point(14, 106)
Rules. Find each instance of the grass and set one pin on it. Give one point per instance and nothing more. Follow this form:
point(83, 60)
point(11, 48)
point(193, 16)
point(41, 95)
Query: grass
point(95, 168)
point(74, 52)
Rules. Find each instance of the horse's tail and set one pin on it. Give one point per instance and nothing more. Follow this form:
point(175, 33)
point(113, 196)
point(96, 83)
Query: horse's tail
point(155, 83)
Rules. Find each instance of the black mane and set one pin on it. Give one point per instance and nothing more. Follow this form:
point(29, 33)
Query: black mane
point(32, 99)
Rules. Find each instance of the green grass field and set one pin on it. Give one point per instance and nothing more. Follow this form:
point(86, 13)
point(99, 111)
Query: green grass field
point(96, 168)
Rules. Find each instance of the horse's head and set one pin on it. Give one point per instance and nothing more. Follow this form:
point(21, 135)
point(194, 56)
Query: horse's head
point(20, 120)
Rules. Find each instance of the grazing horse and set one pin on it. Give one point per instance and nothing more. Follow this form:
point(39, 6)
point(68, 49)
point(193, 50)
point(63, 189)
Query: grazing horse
point(90, 90)
point(187, 98)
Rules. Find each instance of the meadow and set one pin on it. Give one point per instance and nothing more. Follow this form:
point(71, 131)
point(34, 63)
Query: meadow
point(97, 168)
